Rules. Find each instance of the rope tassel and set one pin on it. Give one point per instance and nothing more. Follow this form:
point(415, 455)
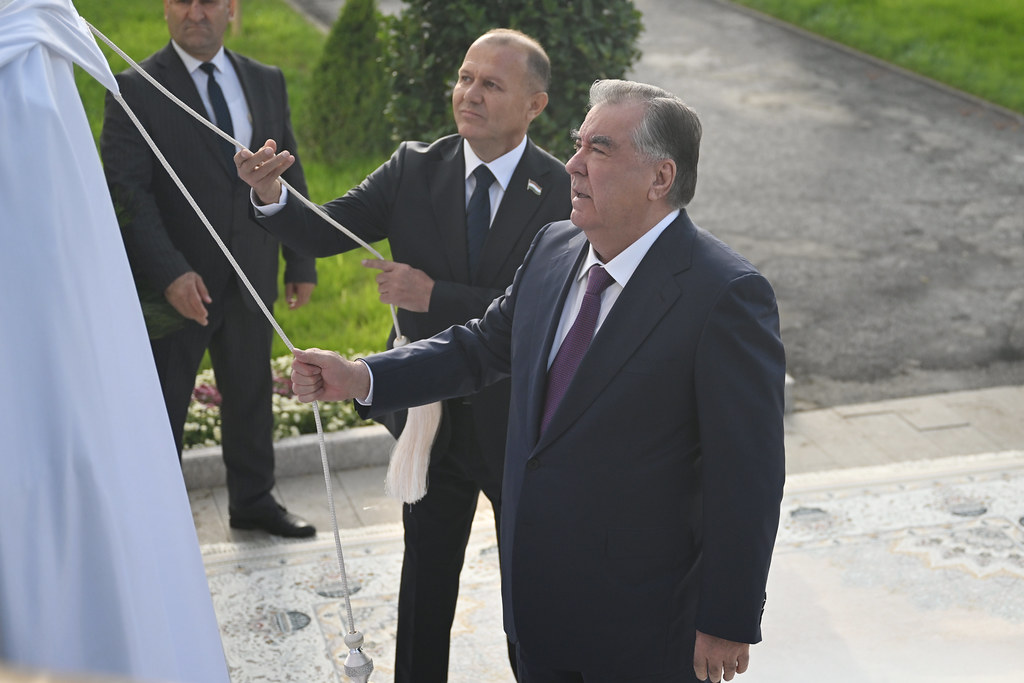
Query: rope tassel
point(407, 471)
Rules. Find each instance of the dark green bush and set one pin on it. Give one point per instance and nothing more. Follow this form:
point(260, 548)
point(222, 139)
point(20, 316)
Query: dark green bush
point(350, 88)
point(585, 39)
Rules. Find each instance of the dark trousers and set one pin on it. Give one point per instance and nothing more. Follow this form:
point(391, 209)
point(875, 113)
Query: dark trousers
point(436, 532)
point(533, 671)
point(239, 341)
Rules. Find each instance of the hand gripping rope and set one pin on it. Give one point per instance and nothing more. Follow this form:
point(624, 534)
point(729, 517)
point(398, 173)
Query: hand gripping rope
point(358, 665)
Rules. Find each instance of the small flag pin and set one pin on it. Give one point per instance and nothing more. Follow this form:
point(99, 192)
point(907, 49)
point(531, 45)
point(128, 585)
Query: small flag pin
point(533, 187)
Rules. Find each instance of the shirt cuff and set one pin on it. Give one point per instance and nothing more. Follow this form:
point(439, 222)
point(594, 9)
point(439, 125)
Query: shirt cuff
point(269, 209)
point(369, 397)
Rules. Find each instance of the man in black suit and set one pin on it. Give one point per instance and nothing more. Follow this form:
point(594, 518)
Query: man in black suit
point(172, 253)
point(418, 200)
point(644, 466)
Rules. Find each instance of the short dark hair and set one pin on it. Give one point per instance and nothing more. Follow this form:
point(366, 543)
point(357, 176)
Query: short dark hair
point(538, 65)
point(668, 130)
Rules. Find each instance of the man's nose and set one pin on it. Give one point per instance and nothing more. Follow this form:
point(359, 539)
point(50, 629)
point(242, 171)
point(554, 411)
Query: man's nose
point(474, 91)
point(575, 164)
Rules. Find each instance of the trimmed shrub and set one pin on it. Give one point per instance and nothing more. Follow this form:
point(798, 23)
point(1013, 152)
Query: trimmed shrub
point(585, 40)
point(350, 88)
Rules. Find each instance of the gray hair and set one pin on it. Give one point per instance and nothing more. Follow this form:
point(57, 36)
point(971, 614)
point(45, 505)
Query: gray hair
point(668, 130)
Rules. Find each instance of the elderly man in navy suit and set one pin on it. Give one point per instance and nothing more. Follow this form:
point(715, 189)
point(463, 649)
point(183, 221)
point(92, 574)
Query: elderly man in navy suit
point(645, 464)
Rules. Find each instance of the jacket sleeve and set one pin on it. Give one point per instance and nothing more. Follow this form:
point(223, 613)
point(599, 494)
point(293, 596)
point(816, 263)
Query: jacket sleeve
point(740, 381)
point(365, 210)
point(298, 267)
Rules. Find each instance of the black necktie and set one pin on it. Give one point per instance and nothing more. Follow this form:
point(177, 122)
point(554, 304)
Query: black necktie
point(221, 114)
point(478, 215)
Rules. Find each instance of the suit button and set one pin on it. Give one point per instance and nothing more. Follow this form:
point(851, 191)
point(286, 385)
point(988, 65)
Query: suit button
point(532, 464)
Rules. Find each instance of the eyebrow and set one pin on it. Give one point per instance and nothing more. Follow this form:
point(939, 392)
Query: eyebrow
point(601, 140)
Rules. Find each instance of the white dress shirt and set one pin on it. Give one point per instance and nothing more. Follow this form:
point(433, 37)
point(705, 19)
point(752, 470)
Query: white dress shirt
point(227, 79)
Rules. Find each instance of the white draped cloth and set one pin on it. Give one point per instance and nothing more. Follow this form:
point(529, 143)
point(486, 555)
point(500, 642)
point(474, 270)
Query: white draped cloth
point(100, 570)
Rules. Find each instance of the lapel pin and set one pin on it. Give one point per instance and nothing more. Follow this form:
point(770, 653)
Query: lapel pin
point(533, 187)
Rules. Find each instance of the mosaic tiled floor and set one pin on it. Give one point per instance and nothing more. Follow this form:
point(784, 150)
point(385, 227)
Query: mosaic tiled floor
point(282, 620)
point(909, 573)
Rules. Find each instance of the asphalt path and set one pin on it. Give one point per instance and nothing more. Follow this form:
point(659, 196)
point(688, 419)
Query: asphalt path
point(887, 210)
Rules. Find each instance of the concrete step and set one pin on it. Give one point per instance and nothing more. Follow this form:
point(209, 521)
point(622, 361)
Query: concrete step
point(297, 456)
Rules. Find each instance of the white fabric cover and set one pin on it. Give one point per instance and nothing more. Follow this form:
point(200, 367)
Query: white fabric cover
point(100, 570)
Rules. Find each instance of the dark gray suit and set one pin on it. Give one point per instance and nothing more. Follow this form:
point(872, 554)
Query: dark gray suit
point(165, 239)
point(648, 508)
point(417, 201)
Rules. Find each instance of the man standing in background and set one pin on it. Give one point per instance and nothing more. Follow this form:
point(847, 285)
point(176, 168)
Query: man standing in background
point(171, 251)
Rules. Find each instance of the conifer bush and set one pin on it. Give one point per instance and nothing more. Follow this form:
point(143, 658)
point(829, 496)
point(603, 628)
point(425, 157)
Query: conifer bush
point(350, 88)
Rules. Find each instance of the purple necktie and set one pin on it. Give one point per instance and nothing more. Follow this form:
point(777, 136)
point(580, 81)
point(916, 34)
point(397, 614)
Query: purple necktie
point(575, 343)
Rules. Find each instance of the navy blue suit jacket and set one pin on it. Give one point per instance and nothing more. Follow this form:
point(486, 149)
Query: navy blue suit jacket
point(649, 506)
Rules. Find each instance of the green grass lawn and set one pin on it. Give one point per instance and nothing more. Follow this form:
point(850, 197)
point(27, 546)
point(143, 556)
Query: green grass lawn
point(973, 45)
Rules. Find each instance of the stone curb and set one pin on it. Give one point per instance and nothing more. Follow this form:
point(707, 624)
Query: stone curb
point(297, 456)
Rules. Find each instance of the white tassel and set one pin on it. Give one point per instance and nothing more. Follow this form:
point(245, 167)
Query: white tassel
point(407, 472)
point(406, 479)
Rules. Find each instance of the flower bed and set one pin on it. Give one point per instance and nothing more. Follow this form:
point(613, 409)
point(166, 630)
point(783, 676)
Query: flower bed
point(291, 418)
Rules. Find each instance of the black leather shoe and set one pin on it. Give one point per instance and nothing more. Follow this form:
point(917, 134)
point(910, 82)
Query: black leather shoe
point(279, 523)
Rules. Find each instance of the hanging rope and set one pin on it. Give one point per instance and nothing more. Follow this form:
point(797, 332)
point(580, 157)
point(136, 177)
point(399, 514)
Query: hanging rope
point(358, 666)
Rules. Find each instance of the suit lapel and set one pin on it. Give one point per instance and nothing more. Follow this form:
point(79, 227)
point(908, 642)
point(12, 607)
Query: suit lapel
point(447, 182)
point(523, 197)
point(648, 296)
point(254, 92)
point(558, 273)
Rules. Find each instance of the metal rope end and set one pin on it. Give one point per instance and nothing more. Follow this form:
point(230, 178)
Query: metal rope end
point(358, 666)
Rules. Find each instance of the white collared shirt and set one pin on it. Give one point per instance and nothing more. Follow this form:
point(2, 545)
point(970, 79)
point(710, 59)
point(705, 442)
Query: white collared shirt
point(228, 81)
point(621, 268)
point(503, 167)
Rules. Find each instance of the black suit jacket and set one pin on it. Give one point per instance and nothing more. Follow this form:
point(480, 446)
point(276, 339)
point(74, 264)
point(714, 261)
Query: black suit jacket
point(649, 506)
point(163, 236)
point(417, 201)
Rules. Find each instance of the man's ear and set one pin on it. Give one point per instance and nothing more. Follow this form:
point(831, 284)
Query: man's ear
point(664, 177)
point(538, 101)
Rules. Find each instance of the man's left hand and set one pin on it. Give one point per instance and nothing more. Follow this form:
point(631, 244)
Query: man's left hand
point(297, 294)
point(402, 285)
point(717, 659)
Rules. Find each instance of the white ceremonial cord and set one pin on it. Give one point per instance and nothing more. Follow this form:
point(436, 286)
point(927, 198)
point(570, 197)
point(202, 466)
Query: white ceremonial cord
point(245, 280)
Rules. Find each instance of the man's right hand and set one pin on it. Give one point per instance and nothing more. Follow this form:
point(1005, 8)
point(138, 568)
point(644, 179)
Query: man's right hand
point(319, 375)
point(262, 170)
point(188, 295)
